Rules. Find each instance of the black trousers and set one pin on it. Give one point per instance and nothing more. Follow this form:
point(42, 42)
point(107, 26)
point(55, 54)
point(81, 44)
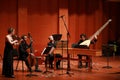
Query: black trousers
point(27, 63)
point(50, 59)
point(80, 62)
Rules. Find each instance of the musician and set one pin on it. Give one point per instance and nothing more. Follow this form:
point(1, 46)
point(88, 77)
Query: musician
point(83, 37)
point(50, 57)
point(7, 68)
point(23, 53)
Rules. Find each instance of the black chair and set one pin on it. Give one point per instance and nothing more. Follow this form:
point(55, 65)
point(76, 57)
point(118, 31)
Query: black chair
point(16, 58)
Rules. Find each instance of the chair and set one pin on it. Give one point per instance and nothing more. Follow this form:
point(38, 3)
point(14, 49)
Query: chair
point(16, 57)
point(18, 60)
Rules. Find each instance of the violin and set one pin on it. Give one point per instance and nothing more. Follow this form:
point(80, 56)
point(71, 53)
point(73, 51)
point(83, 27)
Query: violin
point(15, 37)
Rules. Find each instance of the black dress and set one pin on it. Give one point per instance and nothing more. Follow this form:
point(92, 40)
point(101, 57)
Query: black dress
point(7, 68)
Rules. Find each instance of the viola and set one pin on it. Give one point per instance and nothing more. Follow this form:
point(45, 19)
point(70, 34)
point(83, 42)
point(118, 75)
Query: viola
point(15, 37)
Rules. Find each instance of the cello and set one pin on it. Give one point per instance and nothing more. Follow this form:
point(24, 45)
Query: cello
point(31, 56)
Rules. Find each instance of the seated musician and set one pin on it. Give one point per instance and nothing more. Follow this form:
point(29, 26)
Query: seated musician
point(23, 53)
point(83, 37)
point(50, 57)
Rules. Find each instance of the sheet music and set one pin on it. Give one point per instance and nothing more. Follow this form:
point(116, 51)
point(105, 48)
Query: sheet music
point(51, 50)
point(47, 50)
point(43, 51)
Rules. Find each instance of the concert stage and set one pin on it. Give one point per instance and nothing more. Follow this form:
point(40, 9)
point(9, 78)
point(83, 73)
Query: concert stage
point(97, 73)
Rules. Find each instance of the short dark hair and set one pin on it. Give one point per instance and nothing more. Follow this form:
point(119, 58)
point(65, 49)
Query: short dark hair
point(10, 30)
point(83, 35)
point(23, 37)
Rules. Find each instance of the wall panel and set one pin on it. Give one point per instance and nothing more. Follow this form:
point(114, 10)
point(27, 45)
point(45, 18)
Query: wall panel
point(41, 19)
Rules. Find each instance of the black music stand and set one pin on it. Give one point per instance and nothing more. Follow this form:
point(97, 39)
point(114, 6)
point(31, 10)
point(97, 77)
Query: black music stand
point(107, 57)
point(46, 51)
point(62, 46)
point(57, 37)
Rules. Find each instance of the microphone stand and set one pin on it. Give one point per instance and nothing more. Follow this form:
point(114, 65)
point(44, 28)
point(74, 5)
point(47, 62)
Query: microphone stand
point(68, 56)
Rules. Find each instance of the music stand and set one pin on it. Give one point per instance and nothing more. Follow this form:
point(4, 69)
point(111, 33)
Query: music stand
point(57, 37)
point(62, 44)
point(46, 51)
point(107, 57)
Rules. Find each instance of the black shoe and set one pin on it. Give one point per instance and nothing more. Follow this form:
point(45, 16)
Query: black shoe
point(79, 66)
point(51, 66)
point(37, 70)
point(10, 76)
point(30, 70)
point(58, 66)
point(86, 65)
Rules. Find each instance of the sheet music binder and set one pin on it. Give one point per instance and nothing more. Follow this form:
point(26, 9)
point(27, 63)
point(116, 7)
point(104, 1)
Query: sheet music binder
point(57, 37)
point(46, 50)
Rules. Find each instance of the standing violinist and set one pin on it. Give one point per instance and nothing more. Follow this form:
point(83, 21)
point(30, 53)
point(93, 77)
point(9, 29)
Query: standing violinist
point(7, 69)
point(23, 53)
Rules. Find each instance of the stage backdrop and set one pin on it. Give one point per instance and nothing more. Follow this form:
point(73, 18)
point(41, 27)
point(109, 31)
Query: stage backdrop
point(41, 19)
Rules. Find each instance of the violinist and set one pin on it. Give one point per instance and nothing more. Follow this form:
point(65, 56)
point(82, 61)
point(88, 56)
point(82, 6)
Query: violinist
point(7, 69)
point(23, 53)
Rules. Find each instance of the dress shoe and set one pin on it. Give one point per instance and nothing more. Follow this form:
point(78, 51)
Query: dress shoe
point(10, 76)
point(79, 66)
point(86, 66)
point(37, 70)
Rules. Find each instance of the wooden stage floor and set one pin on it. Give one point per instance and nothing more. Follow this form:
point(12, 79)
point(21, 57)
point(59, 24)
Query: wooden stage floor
point(97, 73)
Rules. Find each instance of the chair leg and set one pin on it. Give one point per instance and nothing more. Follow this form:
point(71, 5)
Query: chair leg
point(17, 65)
point(22, 66)
point(1, 57)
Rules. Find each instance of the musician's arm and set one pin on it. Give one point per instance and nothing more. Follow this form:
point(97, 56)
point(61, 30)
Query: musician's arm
point(80, 41)
point(11, 41)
